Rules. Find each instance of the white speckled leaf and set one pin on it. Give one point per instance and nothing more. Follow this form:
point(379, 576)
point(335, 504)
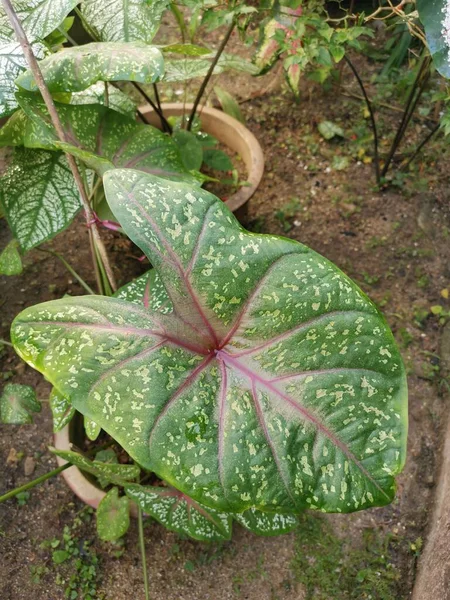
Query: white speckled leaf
point(177, 512)
point(10, 260)
point(17, 402)
point(124, 20)
point(180, 69)
point(12, 64)
point(274, 383)
point(263, 523)
point(75, 69)
point(114, 473)
point(435, 16)
point(113, 516)
point(102, 138)
point(39, 196)
point(117, 100)
point(91, 428)
point(62, 410)
point(147, 290)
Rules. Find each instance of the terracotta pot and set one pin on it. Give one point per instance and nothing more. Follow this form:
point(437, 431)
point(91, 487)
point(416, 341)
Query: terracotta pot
point(79, 483)
point(232, 134)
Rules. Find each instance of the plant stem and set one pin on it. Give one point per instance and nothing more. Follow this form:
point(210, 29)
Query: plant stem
point(411, 104)
point(209, 74)
point(35, 69)
point(180, 20)
point(142, 548)
point(372, 118)
point(70, 269)
point(34, 482)
point(420, 146)
point(164, 122)
point(158, 101)
point(6, 343)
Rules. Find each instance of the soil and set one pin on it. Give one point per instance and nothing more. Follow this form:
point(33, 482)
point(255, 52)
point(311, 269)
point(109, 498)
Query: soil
point(394, 243)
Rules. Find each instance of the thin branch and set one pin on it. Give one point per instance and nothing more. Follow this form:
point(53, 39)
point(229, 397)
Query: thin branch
point(158, 101)
point(420, 146)
point(209, 74)
point(34, 482)
point(372, 118)
point(164, 122)
point(35, 69)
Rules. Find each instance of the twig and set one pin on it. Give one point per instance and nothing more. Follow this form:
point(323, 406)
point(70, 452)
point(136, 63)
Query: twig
point(420, 146)
point(372, 118)
point(6, 343)
point(35, 69)
point(209, 74)
point(142, 548)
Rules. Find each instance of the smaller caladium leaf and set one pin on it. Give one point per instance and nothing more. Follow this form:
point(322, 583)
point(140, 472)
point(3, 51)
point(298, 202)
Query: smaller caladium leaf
point(124, 20)
point(105, 456)
point(10, 260)
point(177, 512)
point(186, 49)
point(179, 69)
point(191, 150)
point(263, 523)
point(17, 403)
point(75, 69)
point(38, 195)
point(114, 473)
point(62, 410)
point(328, 130)
point(91, 428)
point(113, 516)
point(12, 64)
point(117, 100)
point(104, 140)
point(435, 16)
point(147, 290)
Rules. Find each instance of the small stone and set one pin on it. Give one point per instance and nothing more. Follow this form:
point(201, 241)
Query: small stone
point(12, 458)
point(29, 466)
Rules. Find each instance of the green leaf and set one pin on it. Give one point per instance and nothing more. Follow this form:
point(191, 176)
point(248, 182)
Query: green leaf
point(186, 49)
point(217, 159)
point(180, 69)
point(263, 523)
point(10, 260)
point(12, 64)
point(91, 428)
point(191, 150)
point(17, 403)
point(180, 513)
point(124, 20)
point(122, 142)
point(113, 516)
point(274, 384)
point(96, 95)
point(329, 130)
point(60, 556)
point(38, 17)
point(39, 196)
point(75, 69)
point(62, 410)
point(113, 473)
point(229, 104)
point(147, 290)
point(435, 16)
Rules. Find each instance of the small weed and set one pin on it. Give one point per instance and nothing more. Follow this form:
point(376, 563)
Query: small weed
point(288, 212)
point(376, 242)
point(406, 337)
point(22, 498)
point(370, 279)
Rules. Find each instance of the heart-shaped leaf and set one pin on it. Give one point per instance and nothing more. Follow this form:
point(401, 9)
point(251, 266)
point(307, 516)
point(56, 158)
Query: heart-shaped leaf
point(263, 523)
point(274, 383)
point(435, 16)
point(62, 410)
point(101, 137)
point(38, 195)
point(180, 513)
point(75, 69)
point(10, 260)
point(17, 403)
point(113, 516)
point(124, 20)
point(113, 473)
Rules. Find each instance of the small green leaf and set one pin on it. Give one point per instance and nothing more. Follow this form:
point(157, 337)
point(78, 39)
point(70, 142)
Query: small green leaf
point(263, 523)
point(62, 410)
point(229, 104)
point(17, 403)
point(191, 150)
point(60, 556)
point(113, 516)
point(217, 159)
point(75, 69)
point(107, 456)
point(91, 428)
point(329, 130)
point(186, 49)
point(177, 512)
point(10, 260)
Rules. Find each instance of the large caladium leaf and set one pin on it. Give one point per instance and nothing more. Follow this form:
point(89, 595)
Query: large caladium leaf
point(177, 512)
point(274, 383)
point(124, 20)
point(99, 136)
point(75, 69)
point(39, 196)
point(435, 16)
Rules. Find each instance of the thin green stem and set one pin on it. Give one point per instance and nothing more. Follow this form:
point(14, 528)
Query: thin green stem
point(70, 269)
point(142, 548)
point(180, 20)
point(6, 343)
point(34, 482)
